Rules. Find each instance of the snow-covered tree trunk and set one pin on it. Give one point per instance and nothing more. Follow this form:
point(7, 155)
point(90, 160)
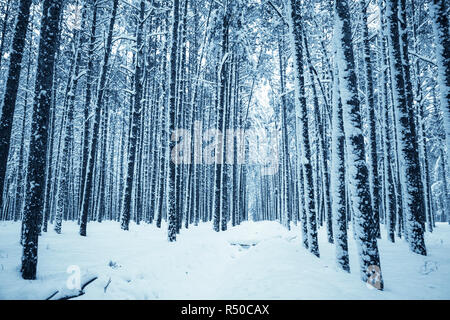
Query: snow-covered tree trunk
point(172, 109)
point(409, 166)
point(87, 199)
point(420, 119)
point(439, 9)
point(236, 165)
point(7, 11)
point(155, 145)
point(358, 174)
point(221, 111)
point(135, 115)
point(337, 177)
point(284, 129)
point(370, 102)
point(12, 86)
point(34, 202)
point(389, 187)
point(102, 209)
point(321, 149)
point(22, 156)
point(295, 26)
point(165, 136)
point(87, 102)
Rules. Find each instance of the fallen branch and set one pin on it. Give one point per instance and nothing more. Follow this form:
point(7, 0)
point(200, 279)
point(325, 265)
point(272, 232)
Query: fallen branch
point(81, 292)
point(106, 287)
point(52, 295)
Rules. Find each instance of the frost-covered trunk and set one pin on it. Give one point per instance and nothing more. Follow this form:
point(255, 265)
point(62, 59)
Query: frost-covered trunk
point(358, 184)
point(439, 9)
point(12, 86)
point(284, 130)
point(102, 209)
point(225, 211)
point(420, 119)
point(295, 26)
point(221, 110)
point(300, 196)
point(172, 109)
point(49, 170)
point(385, 104)
point(34, 202)
point(62, 185)
point(370, 103)
point(323, 154)
point(135, 116)
point(88, 194)
point(180, 94)
point(7, 12)
point(22, 159)
point(193, 183)
point(236, 165)
point(337, 177)
point(62, 193)
point(409, 166)
point(165, 137)
point(389, 187)
point(87, 102)
point(425, 168)
point(156, 143)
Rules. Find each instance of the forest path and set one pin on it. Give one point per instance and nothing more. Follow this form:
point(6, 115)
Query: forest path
point(259, 260)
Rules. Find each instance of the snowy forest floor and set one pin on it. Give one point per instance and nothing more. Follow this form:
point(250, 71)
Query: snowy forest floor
point(256, 260)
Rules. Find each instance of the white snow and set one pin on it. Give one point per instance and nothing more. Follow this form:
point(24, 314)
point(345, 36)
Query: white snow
point(256, 260)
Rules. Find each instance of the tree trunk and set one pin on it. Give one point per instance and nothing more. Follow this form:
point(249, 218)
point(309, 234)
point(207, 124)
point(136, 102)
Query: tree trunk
point(439, 9)
point(172, 108)
point(410, 174)
point(95, 135)
point(135, 115)
point(49, 36)
point(296, 25)
point(358, 173)
point(12, 85)
point(338, 180)
point(370, 103)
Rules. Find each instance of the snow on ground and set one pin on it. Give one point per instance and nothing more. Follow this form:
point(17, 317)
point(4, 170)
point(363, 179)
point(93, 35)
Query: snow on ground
point(256, 260)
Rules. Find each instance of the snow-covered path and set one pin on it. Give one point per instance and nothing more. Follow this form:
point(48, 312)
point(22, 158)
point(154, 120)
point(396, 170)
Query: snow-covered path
point(259, 260)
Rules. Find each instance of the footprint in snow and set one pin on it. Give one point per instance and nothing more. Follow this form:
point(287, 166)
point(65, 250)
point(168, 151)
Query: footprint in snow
point(113, 264)
point(428, 267)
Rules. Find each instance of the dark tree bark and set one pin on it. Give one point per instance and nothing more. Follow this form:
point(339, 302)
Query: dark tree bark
point(134, 120)
point(221, 110)
point(439, 9)
point(12, 85)
point(171, 205)
point(284, 129)
point(409, 166)
point(358, 173)
point(34, 201)
point(4, 26)
point(338, 180)
point(87, 196)
point(322, 150)
point(370, 103)
point(390, 195)
point(296, 25)
point(22, 159)
point(87, 103)
point(165, 136)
